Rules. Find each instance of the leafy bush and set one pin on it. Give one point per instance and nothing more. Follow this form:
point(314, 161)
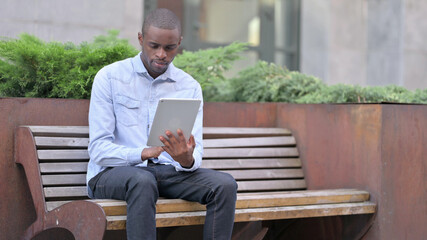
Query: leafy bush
point(420, 96)
point(267, 82)
point(208, 67)
point(30, 67)
point(341, 93)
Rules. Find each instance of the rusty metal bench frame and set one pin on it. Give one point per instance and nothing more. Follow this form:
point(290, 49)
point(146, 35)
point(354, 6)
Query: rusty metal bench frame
point(264, 161)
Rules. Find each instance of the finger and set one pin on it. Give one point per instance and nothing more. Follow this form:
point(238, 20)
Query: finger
point(172, 138)
point(159, 150)
point(168, 149)
point(156, 154)
point(192, 142)
point(165, 149)
point(165, 141)
point(181, 136)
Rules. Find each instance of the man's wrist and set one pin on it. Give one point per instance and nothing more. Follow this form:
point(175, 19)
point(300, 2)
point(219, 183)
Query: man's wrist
point(188, 167)
point(143, 157)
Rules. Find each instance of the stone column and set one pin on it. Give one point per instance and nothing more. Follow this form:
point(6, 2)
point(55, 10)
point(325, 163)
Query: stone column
point(385, 42)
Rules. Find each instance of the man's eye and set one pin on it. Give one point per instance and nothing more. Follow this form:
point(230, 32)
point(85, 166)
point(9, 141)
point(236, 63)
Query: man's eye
point(154, 46)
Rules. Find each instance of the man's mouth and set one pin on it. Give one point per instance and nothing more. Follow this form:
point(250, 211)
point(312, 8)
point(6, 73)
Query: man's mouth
point(160, 63)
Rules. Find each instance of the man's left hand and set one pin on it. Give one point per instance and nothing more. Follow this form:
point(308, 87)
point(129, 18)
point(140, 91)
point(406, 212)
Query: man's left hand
point(179, 149)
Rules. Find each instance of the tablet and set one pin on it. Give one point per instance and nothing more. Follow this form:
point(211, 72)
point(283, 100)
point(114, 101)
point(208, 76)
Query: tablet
point(172, 114)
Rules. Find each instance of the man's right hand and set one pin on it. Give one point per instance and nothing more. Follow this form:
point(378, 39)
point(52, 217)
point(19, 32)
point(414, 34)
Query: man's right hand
point(151, 152)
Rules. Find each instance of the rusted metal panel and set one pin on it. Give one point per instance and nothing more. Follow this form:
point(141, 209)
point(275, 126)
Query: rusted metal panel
point(403, 209)
point(336, 139)
point(239, 115)
point(341, 145)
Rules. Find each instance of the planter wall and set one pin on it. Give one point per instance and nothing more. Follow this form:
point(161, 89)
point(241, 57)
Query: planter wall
point(380, 148)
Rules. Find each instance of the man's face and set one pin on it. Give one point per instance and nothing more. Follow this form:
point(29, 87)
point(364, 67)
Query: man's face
point(159, 48)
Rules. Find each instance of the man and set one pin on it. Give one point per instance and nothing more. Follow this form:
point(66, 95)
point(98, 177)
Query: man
point(122, 107)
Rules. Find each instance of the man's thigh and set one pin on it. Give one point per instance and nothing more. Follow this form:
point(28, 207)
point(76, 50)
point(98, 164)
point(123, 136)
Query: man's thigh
point(115, 182)
point(194, 186)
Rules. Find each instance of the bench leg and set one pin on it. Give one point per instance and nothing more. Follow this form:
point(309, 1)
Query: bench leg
point(33, 230)
point(249, 230)
point(84, 219)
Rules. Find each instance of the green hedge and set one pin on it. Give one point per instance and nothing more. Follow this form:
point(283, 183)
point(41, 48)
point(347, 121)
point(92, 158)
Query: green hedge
point(30, 67)
point(267, 82)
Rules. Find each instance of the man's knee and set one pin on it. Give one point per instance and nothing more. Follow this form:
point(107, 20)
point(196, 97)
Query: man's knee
point(228, 184)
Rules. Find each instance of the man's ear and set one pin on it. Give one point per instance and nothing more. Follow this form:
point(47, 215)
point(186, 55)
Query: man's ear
point(140, 38)
point(180, 39)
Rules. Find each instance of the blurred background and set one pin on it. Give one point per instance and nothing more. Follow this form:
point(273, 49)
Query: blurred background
point(361, 42)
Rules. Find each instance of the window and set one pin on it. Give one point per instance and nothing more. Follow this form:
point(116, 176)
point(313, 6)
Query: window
point(270, 26)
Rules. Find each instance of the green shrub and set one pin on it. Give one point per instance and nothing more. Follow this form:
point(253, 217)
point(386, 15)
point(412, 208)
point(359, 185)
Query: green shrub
point(30, 67)
point(342, 93)
point(420, 96)
point(208, 67)
point(267, 82)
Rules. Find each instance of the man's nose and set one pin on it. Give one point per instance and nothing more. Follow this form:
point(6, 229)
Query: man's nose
point(161, 53)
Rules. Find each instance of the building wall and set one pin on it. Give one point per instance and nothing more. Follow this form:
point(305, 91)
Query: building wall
point(365, 42)
point(74, 21)
point(415, 47)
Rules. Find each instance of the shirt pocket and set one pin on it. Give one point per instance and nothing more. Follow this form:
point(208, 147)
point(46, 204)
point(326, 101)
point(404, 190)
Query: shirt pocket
point(127, 110)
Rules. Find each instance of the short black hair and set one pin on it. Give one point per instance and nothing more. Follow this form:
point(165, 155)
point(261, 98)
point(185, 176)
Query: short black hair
point(161, 18)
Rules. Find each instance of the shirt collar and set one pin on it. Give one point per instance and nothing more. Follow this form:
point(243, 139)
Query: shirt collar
point(139, 68)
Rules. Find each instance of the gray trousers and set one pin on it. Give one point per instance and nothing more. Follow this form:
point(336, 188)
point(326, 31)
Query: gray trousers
point(140, 188)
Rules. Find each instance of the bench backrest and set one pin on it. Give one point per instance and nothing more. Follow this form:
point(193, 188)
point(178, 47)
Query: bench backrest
point(260, 159)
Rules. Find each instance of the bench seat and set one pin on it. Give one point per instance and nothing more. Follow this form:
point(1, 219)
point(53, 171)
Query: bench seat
point(264, 161)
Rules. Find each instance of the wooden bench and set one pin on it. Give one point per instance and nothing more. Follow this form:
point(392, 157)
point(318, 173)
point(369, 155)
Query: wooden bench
point(264, 161)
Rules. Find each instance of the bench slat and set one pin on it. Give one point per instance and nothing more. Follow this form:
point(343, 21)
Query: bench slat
point(250, 200)
point(249, 152)
point(64, 179)
point(59, 130)
point(58, 192)
point(54, 204)
point(271, 185)
point(61, 142)
point(57, 142)
point(63, 167)
point(208, 153)
point(249, 142)
point(254, 214)
point(291, 212)
point(227, 132)
point(244, 200)
point(75, 154)
point(251, 163)
point(266, 174)
point(265, 185)
point(80, 179)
